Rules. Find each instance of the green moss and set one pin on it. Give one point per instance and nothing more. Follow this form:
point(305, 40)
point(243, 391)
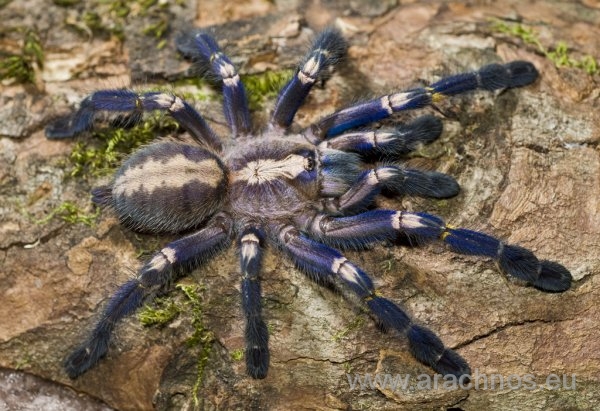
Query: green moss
point(147, 245)
point(166, 309)
point(561, 58)
point(237, 355)
point(71, 213)
point(526, 34)
point(24, 361)
point(264, 86)
point(110, 17)
point(13, 66)
point(147, 4)
point(21, 66)
point(163, 311)
point(93, 21)
point(119, 8)
point(101, 154)
point(195, 89)
point(559, 54)
point(387, 266)
point(158, 26)
point(202, 338)
point(443, 204)
point(356, 324)
point(151, 5)
point(157, 29)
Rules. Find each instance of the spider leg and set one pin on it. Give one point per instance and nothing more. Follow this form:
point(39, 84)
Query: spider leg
point(397, 179)
point(235, 103)
point(325, 51)
point(157, 273)
point(129, 101)
point(390, 142)
point(323, 261)
point(490, 77)
point(377, 225)
point(257, 334)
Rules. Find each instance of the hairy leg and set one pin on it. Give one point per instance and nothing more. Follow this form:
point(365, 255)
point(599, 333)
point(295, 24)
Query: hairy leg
point(378, 225)
point(397, 179)
point(257, 334)
point(388, 142)
point(206, 51)
point(326, 50)
point(132, 102)
point(491, 77)
point(158, 272)
point(323, 261)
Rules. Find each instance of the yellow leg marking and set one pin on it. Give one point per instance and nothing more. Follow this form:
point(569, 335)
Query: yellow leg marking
point(437, 97)
point(374, 294)
point(446, 233)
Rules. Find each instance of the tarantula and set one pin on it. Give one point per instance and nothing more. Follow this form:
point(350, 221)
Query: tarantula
point(309, 194)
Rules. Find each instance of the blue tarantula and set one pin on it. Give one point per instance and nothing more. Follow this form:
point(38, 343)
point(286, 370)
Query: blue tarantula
point(309, 194)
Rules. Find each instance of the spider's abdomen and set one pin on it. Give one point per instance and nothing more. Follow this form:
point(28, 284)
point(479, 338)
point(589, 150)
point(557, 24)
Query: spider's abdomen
point(168, 187)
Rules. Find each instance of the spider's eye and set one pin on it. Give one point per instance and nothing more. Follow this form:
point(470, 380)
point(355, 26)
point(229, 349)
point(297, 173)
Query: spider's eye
point(309, 159)
point(310, 164)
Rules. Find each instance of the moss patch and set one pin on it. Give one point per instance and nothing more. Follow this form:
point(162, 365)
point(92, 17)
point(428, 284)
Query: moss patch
point(105, 18)
point(107, 147)
point(356, 324)
point(202, 337)
point(264, 86)
point(164, 310)
point(22, 66)
point(161, 312)
point(237, 355)
point(71, 213)
point(559, 53)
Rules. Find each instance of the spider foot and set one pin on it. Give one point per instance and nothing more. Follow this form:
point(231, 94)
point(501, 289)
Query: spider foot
point(513, 260)
point(325, 52)
point(427, 347)
point(257, 348)
point(87, 355)
point(127, 298)
point(522, 73)
point(70, 125)
point(543, 275)
point(553, 277)
point(450, 363)
point(257, 362)
point(491, 77)
point(111, 100)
